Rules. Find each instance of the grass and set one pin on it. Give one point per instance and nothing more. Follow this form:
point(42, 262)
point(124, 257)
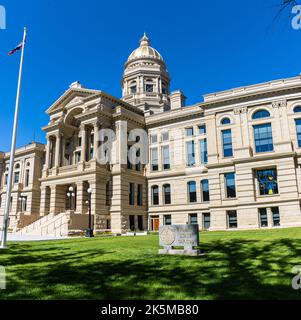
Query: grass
point(237, 265)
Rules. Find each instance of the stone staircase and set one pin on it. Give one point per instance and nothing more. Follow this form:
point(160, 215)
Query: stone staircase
point(50, 225)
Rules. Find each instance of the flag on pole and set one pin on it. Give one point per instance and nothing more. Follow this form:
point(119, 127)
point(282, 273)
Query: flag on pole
point(18, 47)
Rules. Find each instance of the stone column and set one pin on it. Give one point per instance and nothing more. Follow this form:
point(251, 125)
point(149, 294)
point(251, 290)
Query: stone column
point(95, 145)
point(45, 202)
point(270, 218)
point(81, 198)
point(242, 147)
point(212, 139)
point(58, 151)
point(84, 143)
point(58, 199)
point(47, 160)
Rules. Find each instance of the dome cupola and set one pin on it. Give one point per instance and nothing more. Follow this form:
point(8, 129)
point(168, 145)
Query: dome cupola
point(145, 82)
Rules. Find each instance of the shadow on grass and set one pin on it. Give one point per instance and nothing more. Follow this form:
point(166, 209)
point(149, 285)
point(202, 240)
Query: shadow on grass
point(232, 269)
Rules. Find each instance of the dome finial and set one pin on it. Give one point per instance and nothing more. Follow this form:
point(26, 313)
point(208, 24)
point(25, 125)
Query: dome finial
point(144, 40)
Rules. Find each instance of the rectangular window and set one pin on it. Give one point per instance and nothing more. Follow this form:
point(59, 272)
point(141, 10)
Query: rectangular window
point(154, 138)
point(132, 223)
point(166, 157)
point(263, 138)
point(140, 223)
point(140, 195)
point(206, 221)
point(155, 195)
point(298, 128)
point(167, 194)
point(276, 216)
point(167, 220)
point(232, 219)
point(227, 143)
point(27, 178)
point(230, 185)
point(189, 132)
point(132, 194)
point(203, 151)
point(193, 218)
point(6, 179)
point(205, 190)
point(165, 136)
point(267, 182)
point(108, 193)
point(263, 217)
point(154, 159)
point(190, 153)
point(192, 195)
point(17, 177)
point(202, 129)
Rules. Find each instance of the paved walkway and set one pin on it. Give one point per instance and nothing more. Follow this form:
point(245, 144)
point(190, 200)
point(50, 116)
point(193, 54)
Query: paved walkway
point(17, 237)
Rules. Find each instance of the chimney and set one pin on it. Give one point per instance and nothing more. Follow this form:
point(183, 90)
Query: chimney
point(177, 100)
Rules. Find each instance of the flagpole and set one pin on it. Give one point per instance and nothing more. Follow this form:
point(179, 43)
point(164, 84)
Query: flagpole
point(12, 154)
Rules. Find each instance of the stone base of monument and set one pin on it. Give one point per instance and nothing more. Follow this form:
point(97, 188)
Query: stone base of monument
point(180, 240)
point(183, 252)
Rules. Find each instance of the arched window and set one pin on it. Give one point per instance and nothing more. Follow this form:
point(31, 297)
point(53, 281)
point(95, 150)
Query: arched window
point(297, 109)
point(155, 195)
point(192, 196)
point(260, 114)
point(167, 194)
point(133, 87)
point(226, 121)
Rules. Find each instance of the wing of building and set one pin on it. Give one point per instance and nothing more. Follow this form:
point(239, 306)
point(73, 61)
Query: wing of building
point(231, 161)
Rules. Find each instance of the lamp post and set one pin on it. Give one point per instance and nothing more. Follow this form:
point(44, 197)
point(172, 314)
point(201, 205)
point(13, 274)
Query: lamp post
point(70, 195)
point(89, 231)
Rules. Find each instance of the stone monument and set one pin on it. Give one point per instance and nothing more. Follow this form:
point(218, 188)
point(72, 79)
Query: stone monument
point(179, 239)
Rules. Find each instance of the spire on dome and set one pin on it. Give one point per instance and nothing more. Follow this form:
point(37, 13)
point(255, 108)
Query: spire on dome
point(144, 41)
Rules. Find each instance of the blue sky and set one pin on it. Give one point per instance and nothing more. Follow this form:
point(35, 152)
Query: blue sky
point(208, 46)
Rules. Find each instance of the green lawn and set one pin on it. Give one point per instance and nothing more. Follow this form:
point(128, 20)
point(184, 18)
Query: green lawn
point(238, 265)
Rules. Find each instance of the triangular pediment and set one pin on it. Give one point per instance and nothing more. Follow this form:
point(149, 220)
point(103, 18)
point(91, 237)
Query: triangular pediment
point(71, 97)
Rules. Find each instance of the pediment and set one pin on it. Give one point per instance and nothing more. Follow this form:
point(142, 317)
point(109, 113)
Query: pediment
point(70, 98)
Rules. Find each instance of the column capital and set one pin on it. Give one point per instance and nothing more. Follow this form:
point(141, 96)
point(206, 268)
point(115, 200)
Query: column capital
point(279, 104)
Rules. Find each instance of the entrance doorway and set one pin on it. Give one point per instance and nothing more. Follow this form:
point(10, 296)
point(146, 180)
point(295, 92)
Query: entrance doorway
point(155, 223)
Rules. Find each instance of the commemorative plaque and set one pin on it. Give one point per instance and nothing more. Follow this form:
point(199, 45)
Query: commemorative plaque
point(179, 239)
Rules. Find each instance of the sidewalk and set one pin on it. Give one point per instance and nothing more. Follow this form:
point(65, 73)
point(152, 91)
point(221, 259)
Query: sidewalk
point(17, 237)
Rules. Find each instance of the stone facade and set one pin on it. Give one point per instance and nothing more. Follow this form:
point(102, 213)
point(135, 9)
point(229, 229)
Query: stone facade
point(232, 161)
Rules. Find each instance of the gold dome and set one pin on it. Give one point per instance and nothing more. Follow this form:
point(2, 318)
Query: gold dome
point(145, 51)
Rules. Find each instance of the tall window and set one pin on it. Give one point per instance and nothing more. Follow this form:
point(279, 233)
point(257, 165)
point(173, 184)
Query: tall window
point(133, 88)
point(232, 219)
point(154, 159)
point(275, 216)
point(204, 152)
point(263, 138)
point(155, 195)
point(227, 143)
point(108, 193)
point(267, 181)
point(140, 223)
point(166, 157)
point(17, 177)
point(140, 195)
point(167, 220)
point(230, 185)
point(27, 178)
point(192, 196)
point(298, 128)
point(167, 194)
point(165, 136)
point(193, 218)
point(6, 179)
point(206, 221)
point(132, 194)
point(190, 153)
point(263, 217)
point(205, 190)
